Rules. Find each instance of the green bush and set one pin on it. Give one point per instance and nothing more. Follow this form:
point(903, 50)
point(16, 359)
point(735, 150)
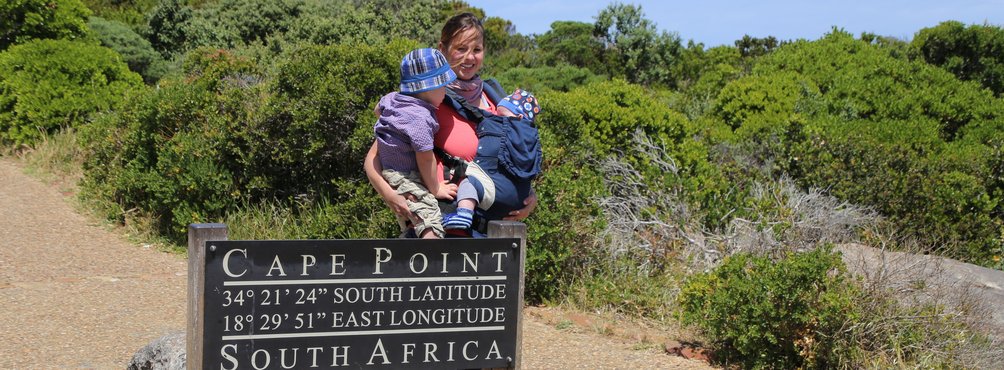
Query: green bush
point(772, 314)
point(357, 214)
point(901, 136)
point(318, 121)
point(236, 130)
point(130, 12)
point(157, 157)
point(26, 20)
point(563, 226)
point(46, 85)
point(175, 28)
point(861, 81)
point(135, 50)
point(939, 191)
point(559, 78)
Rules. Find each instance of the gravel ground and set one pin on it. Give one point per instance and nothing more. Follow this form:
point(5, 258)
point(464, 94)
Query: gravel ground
point(75, 295)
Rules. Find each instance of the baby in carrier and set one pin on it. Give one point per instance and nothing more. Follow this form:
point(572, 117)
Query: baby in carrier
point(494, 183)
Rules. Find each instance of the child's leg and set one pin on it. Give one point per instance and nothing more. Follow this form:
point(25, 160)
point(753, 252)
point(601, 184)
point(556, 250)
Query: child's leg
point(464, 217)
point(425, 216)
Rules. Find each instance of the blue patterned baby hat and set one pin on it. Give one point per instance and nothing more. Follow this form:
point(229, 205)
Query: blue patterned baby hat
point(521, 103)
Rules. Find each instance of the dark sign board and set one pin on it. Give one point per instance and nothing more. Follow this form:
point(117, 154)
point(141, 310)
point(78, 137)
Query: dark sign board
point(381, 304)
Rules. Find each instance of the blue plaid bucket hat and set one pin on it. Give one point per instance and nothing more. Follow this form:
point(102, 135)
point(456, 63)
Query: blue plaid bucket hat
point(424, 70)
point(521, 103)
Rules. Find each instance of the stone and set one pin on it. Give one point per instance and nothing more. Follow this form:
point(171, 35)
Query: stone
point(164, 353)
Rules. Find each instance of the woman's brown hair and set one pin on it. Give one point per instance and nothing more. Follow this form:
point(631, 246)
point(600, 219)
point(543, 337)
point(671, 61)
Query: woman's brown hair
point(456, 25)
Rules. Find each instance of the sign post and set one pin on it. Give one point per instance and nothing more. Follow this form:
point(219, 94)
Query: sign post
point(198, 235)
point(381, 304)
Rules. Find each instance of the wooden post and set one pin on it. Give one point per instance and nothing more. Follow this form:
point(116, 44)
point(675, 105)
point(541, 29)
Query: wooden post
point(198, 235)
point(514, 229)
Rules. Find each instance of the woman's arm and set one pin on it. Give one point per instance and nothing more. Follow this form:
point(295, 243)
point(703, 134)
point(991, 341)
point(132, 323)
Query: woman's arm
point(371, 165)
point(530, 204)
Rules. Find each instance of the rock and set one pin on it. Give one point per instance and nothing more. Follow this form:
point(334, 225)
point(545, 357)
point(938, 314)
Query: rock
point(164, 353)
point(932, 279)
point(690, 351)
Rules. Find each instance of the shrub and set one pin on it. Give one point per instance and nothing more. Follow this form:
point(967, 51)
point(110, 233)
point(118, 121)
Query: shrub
point(857, 80)
point(135, 50)
point(562, 227)
point(26, 20)
point(46, 85)
point(357, 214)
point(235, 131)
point(941, 192)
point(560, 78)
point(765, 314)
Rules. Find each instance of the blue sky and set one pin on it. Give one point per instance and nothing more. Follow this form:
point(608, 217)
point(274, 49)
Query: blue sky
point(718, 22)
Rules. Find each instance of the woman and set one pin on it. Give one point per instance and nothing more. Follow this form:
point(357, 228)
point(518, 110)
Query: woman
point(462, 42)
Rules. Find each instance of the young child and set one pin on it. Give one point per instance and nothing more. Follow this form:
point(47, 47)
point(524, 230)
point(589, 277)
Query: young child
point(404, 134)
point(485, 185)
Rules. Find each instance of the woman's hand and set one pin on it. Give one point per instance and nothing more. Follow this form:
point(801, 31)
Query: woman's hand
point(520, 214)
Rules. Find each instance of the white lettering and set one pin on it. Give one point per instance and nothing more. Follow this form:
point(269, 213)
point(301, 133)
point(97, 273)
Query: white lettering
point(228, 357)
point(472, 262)
point(425, 263)
point(498, 257)
point(409, 350)
point(430, 351)
point(337, 261)
point(226, 262)
point(254, 361)
point(308, 261)
point(313, 355)
point(282, 358)
point(344, 356)
point(495, 350)
point(276, 265)
point(379, 252)
point(465, 350)
point(381, 351)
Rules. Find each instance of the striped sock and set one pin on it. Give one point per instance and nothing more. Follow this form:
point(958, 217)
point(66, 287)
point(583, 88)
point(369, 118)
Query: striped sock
point(460, 220)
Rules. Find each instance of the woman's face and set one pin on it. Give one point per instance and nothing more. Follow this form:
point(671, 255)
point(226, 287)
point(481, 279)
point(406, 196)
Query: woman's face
point(465, 54)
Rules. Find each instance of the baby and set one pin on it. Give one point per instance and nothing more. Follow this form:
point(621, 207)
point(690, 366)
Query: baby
point(485, 185)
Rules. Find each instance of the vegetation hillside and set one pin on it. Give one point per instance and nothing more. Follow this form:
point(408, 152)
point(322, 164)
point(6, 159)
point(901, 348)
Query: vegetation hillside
point(681, 183)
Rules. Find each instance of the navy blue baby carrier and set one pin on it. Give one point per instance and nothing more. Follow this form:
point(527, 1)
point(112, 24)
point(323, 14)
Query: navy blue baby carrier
point(508, 150)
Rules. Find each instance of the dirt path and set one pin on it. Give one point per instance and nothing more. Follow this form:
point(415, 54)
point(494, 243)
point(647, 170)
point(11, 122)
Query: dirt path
point(74, 295)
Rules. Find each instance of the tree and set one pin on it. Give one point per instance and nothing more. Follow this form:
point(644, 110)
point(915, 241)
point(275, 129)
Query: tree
point(640, 52)
point(972, 53)
point(752, 47)
point(25, 20)
point(572, 43)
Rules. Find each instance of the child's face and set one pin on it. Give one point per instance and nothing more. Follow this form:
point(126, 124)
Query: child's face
point(503, 111)
point(434, 96)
